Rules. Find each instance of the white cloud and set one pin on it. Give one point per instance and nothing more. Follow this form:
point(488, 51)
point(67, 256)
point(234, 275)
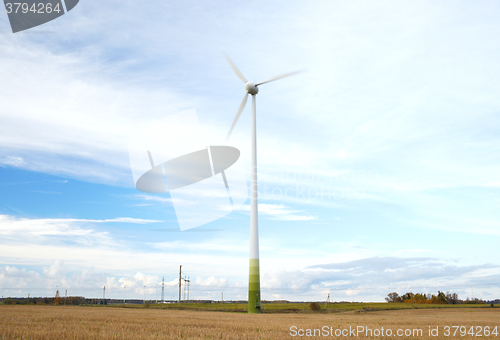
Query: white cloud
point(211, 282)
point(79, 243)
point(157, 199)
point(280, 212)
point(56, 239)
point(225, 245)
point(123, 220)
point(371, 279)
point(11, 226)
point(12, 160)
point(53, 270)
point(90, 118)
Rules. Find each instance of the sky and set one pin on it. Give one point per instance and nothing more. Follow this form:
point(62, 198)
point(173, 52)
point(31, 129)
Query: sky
point(378, 165)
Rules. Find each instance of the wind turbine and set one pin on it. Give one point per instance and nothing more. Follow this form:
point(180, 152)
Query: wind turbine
point(254, 272)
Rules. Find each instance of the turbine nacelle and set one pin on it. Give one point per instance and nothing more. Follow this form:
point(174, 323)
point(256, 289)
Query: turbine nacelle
point(251, 88)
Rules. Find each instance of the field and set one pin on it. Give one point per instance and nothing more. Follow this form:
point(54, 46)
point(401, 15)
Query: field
point(83, 322)
point(297, 307)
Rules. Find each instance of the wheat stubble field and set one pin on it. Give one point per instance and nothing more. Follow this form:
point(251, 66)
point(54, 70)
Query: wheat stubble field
point(74, 322)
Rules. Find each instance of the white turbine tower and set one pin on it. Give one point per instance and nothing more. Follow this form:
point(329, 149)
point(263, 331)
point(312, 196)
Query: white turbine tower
point(254, 272)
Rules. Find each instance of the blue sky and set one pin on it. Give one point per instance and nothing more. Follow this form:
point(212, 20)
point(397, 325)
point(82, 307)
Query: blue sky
point(388, 146)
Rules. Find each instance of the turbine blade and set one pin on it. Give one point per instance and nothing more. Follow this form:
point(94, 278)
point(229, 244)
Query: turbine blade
point(235, 69)
point(240, 110)
point(277, 77)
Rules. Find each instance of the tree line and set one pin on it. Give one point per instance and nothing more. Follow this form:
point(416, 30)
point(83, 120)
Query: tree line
point(70, 300)
point(440, 298)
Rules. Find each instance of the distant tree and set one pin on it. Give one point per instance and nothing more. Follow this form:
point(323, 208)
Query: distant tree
point(393, 297)
point(8, 301)
point(474, 301)
point(57, 298)
point(408, 298)
point(452, 298)
point(441, 297)
point(315, 306)
point(420, 298)
point(438, 299)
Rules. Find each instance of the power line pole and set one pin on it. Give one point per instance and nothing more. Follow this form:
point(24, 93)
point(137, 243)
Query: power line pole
point(186, 287)
point(180, 284)
point(163, 290)
point(104, 295)
point(189, 282)
point(65, 297)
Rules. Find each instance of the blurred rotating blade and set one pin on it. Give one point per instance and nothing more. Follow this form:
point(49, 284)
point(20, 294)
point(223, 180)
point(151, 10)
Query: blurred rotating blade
point(242, 106)
point(235, 69)
point(277, 77)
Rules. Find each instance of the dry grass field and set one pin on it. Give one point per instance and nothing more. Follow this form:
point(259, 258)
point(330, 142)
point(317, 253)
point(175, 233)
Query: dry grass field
point(76, 322)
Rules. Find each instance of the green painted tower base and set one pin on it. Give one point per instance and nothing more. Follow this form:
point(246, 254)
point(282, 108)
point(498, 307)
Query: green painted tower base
point(254, 287)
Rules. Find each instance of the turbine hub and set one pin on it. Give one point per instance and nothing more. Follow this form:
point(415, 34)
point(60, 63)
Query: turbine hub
point(251, 88)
